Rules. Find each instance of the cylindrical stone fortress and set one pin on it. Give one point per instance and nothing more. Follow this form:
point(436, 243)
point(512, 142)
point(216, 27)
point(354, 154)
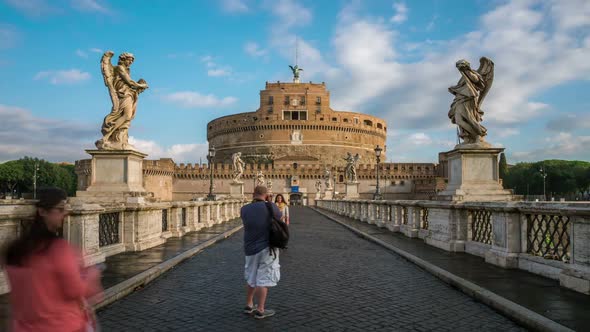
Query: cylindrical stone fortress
point(295, 120)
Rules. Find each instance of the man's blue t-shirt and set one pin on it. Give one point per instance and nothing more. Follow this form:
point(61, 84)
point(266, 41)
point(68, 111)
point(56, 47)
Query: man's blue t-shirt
point(256, 226)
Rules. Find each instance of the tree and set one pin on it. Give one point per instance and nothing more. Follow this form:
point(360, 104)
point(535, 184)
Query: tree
point(11, 174)
point(503, 168)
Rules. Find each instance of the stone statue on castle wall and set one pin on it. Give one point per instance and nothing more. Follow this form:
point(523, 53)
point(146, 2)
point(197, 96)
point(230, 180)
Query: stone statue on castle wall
point(350, 169)
point(124, 93)
point(269, 185)
point(296, 71)
point(238, 166)
point(260, 179)
point(470, 91)
point(327, 178)
point(318, 185)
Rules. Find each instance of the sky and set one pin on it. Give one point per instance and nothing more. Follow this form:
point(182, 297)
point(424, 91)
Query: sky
point(205, 59)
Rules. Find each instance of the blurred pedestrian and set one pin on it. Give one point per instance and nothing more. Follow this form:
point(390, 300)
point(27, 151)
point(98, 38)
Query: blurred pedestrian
point(50, 286)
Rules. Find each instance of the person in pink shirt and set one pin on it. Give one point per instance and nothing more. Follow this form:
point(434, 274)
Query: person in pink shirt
point(49, 285)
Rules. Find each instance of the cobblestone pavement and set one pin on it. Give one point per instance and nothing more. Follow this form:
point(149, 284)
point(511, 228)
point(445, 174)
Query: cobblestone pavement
point(331, 280)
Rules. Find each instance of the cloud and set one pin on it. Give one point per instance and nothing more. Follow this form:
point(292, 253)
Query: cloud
point(192, 99)
point(289, 13)
point(561, 146)
point(401, 13)
point(9, 36)
point(81, 53)
point(215, 69)
point(96, 50)
point(90, 6)
point(70, 76)
point(180, 153)
point(34, 8)
point(234, 6)
point(372, 75)
point(219, 72)
point(254, 50)
point(569, 122)
point(24, 134)
point(506, 132)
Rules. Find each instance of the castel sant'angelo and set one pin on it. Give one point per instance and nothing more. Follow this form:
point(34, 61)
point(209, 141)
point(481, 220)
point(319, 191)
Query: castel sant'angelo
point(294, 139)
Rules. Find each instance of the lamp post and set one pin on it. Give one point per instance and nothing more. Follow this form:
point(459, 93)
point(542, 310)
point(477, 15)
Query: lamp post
point(210, 158)
point(377, 195)
point(35, 180)
point(544, 175)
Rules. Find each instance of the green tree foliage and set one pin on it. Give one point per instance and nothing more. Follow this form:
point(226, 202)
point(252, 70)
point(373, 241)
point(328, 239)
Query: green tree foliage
point(49, 174)
point(503, 166)
point(11, 174)
point(564, 178)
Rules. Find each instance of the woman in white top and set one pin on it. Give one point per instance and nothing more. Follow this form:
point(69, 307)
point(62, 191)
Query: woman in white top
point(283, 207)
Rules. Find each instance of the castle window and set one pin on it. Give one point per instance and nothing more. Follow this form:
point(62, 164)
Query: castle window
point(318, 100)
point(321, 119)
point(302, 100)
point(287, 100)
point(341, 178)
point(271, 100)
point(368, 123)
point(255, 118)
point(295, 115)
point(318, 111)
point(334, 119)
point(380, 126)
point(345, 120)
point(270, 110)
point(356, 120)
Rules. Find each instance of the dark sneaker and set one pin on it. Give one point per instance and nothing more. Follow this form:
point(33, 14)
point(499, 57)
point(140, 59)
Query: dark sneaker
point(264, 314)
point(249, 310)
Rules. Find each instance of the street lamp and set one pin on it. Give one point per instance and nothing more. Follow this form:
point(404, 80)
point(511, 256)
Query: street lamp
point(544, 175)
point(377, 195)
point(35, 180)
point(210, 158)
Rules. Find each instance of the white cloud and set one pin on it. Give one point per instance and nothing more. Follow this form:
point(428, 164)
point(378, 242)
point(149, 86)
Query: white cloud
point(70, 76)
point(180, 153)
point(569, 122)
point(90, 6)
point(420, 139)
point(234, 6)
point(33, 7)
point(81, 53)
point(561, 146)
point(192, 99)
point(9, 36)
point(96, 50)
point(253, 49)
point(289, 13)
point(401, 12)
point(218, 72)
point(371, 75)
point(507, 132)
point(24, 134)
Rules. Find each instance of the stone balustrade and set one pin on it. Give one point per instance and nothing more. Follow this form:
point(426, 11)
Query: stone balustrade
point(545, 238)
point(101, 231)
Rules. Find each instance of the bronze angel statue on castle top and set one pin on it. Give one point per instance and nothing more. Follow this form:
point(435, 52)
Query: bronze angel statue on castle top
point(470, 91)
point(124, 93)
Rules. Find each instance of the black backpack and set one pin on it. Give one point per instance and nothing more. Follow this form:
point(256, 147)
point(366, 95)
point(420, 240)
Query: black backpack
point(279, 231)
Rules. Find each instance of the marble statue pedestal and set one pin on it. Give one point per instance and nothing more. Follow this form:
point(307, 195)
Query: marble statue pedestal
point(236, 190)
point(318, 195)
point(328, 193)
point(352, 190)
point(117, 176)
point(474, 174)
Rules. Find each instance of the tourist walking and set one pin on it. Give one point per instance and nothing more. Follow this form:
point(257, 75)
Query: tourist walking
point(283, 207)
point(262, 269)
point(49, 285)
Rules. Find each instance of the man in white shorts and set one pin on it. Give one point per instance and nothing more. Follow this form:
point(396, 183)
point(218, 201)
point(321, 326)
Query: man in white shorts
point(262, 268)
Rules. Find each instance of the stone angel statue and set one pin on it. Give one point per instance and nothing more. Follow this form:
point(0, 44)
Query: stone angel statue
point(318, 185)
point(260, 179)
point(470, 91)
point(124, 93)
point(238, 165)
point(295, 71)
point(350, 169)
point(327, 178)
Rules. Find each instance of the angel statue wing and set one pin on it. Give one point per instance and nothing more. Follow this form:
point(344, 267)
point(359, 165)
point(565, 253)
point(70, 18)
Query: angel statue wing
point(486, 70)
point(357, 157)
point(108, 74)
point(292, 69)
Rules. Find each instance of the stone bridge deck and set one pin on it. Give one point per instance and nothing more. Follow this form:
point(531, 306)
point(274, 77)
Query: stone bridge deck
point(332, 280)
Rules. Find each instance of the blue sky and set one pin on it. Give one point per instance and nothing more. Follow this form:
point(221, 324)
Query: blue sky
point(205, 59)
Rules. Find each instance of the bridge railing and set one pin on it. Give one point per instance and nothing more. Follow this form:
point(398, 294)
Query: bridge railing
point(546, 238)
point(102, 231)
